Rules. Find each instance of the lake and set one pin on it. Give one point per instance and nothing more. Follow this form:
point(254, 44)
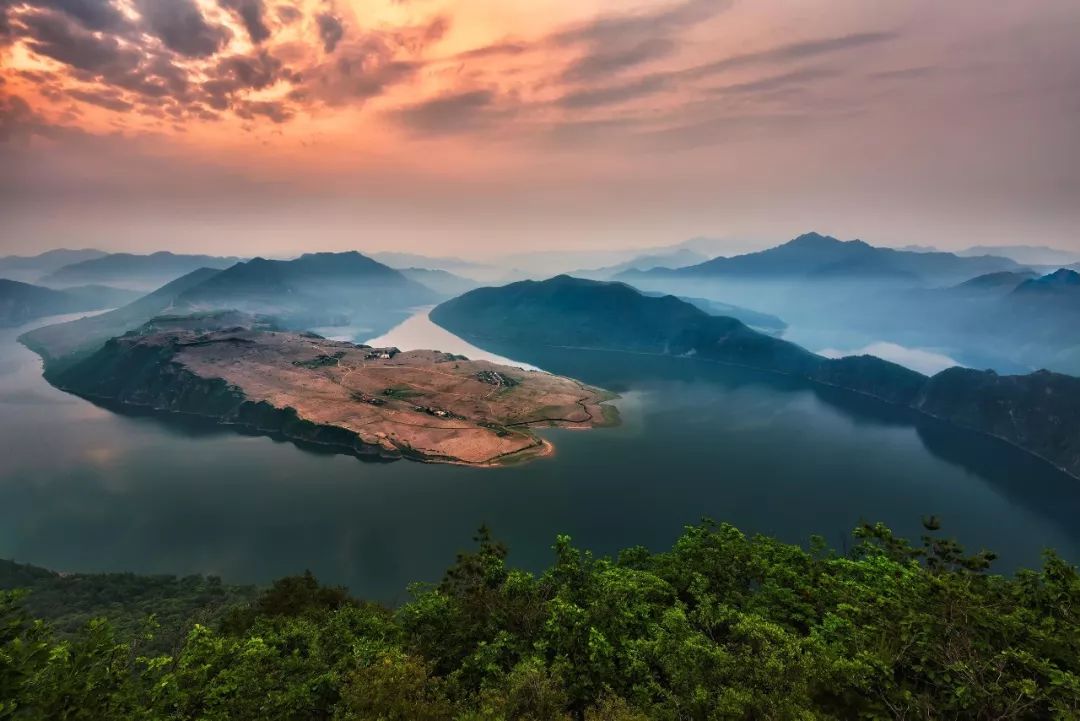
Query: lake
point(85, 489)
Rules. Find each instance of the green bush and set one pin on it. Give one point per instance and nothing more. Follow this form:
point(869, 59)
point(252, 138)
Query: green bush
point(722, 626)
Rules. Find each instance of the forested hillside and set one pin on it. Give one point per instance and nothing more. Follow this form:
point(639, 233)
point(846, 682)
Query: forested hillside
point(722, 626)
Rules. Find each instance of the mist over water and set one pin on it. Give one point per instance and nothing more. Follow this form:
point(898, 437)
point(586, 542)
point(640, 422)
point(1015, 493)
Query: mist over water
point(917, 359)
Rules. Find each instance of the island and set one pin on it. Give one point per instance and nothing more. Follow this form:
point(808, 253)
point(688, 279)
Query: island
point(378, 403)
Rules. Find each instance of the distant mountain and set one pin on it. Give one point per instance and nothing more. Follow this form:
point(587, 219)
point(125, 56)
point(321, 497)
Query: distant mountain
point(152, 269)
point(1009, 320)
point(317, 289)
point(20, 267)
point(1025, 254)
point(443, 282)
point(679, 258)
point(578, 313)
point(401, 261)
point(1043, 313)
point(23, 302)
point(1063, 283)
point(65, 341)
point(312, 290)
point(1038, 412)
point(993, 283)
point(813, 256)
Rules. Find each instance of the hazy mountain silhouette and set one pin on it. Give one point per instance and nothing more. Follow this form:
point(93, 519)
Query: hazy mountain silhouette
point(74, 338)
point(1025, 254)
point(32, 267)
point(679, 258)
point(443, 282)
point(154, 268)
point(814, 256)
point(314, 289)
point(23, 302)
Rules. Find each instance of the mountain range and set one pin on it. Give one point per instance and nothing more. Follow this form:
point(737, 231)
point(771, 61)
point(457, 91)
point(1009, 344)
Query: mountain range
point(1026, 254)
point(1012, 320)
point(813, 256)
point(314, 289)
point(679, 258)
point(318, 289)
point(1039, 412)
point(23, 302)
point(63, 342)
point(31, 268)
point(983, 310)
point(131, 269)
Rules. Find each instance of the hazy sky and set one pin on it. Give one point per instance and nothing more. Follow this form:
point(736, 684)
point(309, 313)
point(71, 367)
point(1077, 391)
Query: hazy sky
point(477, 126)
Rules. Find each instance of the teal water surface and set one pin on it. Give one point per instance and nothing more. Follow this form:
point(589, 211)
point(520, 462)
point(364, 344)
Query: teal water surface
point(86, 489)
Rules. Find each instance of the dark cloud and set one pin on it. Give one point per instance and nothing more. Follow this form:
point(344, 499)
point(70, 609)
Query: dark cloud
point(277, 112)
point(103, 98)
point(99, 15)
point(617, 28)
point(180, 25)
point(605, 62)
point(242, 72)
point(596, 95)
point(366, 65)
point(7, 31)
point(353, 78)
point(791, 51)
point(614, 94)
point(155, 77)
point(774, 82)
point(288, 14)
point(448, 114)
point(61, 38)
point(141, 64)
point(251, 13)
point(330, 31)
point(618, 42)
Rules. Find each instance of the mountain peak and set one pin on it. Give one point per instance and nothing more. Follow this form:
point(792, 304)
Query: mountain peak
point(1062, 276)
point(1062, 280)
point(813, 238)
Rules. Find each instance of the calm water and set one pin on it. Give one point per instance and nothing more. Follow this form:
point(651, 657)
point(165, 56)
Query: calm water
point(82, 488)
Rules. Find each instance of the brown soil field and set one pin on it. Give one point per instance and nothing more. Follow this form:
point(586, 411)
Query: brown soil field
point(424, 404)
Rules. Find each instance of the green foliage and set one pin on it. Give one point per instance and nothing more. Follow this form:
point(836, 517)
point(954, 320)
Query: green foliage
point(70, 601)
point(721, 626)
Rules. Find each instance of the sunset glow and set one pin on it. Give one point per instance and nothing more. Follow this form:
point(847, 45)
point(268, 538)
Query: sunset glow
point(738, 118)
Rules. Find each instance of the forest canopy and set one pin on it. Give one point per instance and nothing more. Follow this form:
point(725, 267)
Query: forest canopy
point(721, 626)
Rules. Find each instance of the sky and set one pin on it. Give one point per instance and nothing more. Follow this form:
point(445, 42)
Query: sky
point(483, 127)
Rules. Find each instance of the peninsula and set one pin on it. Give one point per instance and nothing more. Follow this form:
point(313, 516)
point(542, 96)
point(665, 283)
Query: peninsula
point(376, 403)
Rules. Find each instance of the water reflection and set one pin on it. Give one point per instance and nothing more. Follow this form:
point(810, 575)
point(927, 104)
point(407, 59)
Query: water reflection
point(82, 488)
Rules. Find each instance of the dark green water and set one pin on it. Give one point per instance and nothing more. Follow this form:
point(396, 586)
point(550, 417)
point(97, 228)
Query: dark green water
point(84, 489)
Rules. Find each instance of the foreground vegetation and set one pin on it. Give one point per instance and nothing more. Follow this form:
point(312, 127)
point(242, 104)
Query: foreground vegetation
point(722, 626)
point(126, 600)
